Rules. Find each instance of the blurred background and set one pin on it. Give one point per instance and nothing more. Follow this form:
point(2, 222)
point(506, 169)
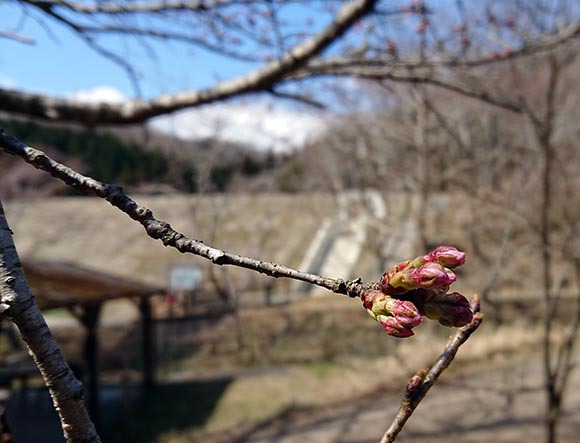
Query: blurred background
point(427, 123)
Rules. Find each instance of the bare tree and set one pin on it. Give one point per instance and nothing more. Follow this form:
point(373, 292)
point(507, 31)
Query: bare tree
point(540, 103)
point(445, 59)
point(220, 26)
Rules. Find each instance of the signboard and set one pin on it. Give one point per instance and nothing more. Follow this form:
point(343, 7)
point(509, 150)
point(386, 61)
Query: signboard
point(185, 278)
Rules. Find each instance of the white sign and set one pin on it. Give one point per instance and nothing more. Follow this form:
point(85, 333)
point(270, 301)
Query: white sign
point(185, 278)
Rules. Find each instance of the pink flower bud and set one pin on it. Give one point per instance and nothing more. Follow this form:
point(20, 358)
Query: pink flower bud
point(397, 317)
point(394, 328)
point(446, 256)
point(431, 276)
point(404, 311)
point(449, 309)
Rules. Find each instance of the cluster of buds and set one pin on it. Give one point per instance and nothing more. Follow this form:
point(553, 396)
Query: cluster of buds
point(416, 288)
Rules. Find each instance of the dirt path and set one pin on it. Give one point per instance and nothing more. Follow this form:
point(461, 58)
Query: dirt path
point(503, 405)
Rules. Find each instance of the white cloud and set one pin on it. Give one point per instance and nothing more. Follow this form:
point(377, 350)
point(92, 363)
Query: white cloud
point(263, 125)
point(6, 82)
point(99, 94)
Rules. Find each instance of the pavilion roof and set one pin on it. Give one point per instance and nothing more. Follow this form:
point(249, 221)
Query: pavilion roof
point(58, 284)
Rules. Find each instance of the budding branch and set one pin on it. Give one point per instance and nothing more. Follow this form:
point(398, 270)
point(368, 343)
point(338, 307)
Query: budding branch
point(161, 230)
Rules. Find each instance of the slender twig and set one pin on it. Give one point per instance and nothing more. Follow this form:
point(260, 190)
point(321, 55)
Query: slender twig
point(16, 37)
point(163, 231)
point(301, 98)
point(421, 382)
point(124, 8)
point(542, 44)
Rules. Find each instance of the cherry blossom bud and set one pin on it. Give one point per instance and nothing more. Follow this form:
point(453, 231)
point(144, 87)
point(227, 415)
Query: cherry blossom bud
point(449, 309)
point(394, 280)
point(404, 311)
point(394, 328)
point(446, 256)
point(418, 273)
point(413, 288)
point(431, 276)
point(397, 317)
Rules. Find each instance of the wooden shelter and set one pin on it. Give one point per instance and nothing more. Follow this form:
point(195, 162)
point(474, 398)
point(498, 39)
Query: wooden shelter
point(57, 284)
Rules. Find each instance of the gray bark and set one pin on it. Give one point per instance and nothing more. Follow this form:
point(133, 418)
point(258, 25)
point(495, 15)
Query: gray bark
point(18, 304)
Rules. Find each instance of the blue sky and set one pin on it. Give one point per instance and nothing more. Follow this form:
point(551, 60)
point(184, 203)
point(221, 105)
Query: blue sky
point(61, 63)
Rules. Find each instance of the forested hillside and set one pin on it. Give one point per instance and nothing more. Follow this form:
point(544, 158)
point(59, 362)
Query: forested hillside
point(145, 164)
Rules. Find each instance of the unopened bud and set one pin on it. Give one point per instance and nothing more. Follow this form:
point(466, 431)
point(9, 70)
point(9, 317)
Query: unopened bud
point(394, 328)
point(446, 256)
point(404, 311)
point(449, 309)
point(395, 281)
point(397, 317)
point(431, 276)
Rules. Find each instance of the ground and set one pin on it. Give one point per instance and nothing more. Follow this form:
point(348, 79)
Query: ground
point(501, 405)
point(317, 371)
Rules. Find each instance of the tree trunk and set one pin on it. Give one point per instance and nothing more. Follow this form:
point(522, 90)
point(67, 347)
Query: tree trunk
point(18, 304)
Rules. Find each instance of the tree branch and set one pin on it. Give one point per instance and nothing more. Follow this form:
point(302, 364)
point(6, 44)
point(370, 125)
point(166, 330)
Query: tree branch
point(542, 44)
point(157, 6)
point(18, 304)
point(135, 111)
point(386, 74)
point(16, 37)
point(421, 382)
point(163, 231)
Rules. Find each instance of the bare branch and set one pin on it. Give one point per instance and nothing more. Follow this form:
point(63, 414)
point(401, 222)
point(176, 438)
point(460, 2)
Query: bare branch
point(16, 37)
point(386, 74)
point(157, 6)
point(135, 111)
point(302, 98)
point(163, 231)
point(18, 304)
point(541, 44)
point(176, 36)
point(421, 382)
